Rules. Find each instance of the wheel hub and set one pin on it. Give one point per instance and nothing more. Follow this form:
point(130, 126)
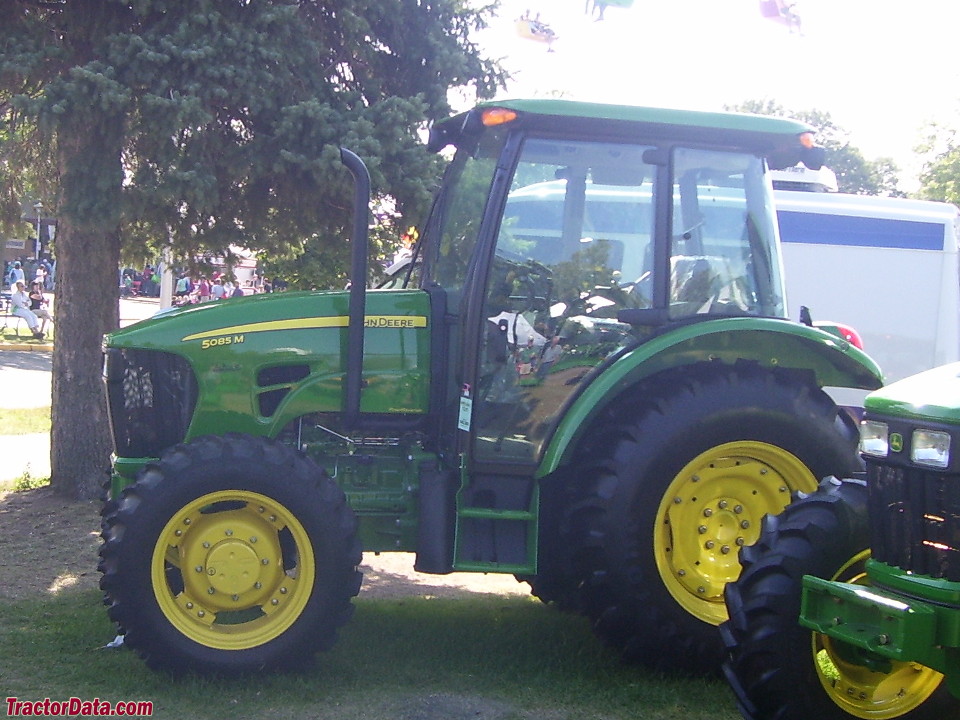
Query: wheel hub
point(233, 567)
point(713, 508)
point(713, 519)
point(231, 560)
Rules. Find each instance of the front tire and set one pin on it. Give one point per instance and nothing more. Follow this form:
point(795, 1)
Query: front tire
point(230, 554)
point(672, 484)
point(781, 670)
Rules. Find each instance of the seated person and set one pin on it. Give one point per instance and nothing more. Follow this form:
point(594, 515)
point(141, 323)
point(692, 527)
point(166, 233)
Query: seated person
point(38, 304)
point(20, 306)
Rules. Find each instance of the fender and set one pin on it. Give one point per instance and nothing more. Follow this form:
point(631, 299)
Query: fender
point(771, 342)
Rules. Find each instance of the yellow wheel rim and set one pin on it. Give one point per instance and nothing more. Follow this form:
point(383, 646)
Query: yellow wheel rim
point(232, 570)
point(859, 691)
point(711, 509)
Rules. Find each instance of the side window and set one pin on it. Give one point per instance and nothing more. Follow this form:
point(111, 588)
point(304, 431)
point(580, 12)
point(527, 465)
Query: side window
point(574, 246)
point(459, 211)
point(721, 253)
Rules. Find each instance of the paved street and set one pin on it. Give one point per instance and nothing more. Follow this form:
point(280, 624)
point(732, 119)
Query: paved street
point(25, 383)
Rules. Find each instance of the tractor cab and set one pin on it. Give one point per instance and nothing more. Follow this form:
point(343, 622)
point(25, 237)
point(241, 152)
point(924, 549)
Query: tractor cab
point(559, 242)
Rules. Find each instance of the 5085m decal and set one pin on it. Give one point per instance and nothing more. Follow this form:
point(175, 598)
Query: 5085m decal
point(234, 334)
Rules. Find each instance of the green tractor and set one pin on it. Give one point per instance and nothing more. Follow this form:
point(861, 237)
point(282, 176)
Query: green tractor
point(603, 407)
point(872, 570)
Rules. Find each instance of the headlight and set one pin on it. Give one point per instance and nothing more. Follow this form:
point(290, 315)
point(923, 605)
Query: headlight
point(874, 438)
point(930, 447)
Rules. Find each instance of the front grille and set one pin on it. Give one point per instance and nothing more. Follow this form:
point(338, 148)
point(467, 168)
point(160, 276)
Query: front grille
point(151, 397)
point(915, 519)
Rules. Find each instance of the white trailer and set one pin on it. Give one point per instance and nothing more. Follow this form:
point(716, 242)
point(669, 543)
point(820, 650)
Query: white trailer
point(888, 267)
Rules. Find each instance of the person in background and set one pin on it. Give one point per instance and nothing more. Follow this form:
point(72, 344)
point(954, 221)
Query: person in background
point(20, 306)
point(48, 274)
point(216, 290)
point(203, 289)
point(38, 304)
point(183, 286)
point(16, 275)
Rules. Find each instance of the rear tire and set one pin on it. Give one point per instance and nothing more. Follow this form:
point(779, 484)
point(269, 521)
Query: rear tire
point(671, 484)
point(780, 670)
point(230, 554)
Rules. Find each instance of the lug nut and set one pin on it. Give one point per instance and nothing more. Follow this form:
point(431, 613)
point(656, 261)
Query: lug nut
point(702, 529)
point(707, 512)
point(722, 504)
point(738, 509)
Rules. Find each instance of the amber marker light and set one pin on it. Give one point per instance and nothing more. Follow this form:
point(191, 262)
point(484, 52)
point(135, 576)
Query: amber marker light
point(498, 116)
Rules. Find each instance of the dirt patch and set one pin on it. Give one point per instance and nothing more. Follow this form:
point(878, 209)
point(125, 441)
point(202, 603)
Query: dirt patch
point(49, 544)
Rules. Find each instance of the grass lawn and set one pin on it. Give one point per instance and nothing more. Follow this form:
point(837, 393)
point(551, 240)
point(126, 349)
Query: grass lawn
point(412, 658)
point(24, 421)
point(9, 334)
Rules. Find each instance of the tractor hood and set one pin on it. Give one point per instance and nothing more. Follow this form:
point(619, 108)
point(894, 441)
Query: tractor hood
point(265, 360)
point(933, 395)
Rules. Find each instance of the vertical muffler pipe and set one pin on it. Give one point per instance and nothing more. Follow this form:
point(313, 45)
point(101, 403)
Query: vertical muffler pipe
point(358, 287)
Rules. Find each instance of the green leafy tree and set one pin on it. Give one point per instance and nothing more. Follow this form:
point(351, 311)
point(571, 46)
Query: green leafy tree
point(855, 174)
point(940, 175)
point(196, 126)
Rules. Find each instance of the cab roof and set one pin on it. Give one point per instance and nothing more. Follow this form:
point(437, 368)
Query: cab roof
point(763, 133)
point(765, 124)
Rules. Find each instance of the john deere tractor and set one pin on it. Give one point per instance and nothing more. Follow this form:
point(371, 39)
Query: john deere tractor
point(849, 604)
point(602, 399)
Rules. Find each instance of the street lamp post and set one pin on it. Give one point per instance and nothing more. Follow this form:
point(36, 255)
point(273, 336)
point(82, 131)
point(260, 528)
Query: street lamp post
point(38, 207)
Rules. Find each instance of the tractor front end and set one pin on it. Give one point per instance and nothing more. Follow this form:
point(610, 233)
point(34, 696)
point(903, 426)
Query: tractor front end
point(910, 439)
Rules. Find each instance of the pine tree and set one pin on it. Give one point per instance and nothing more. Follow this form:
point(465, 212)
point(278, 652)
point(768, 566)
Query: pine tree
point(198, 126)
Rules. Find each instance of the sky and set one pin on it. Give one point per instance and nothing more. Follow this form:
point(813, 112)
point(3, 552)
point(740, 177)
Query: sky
point(883, 69)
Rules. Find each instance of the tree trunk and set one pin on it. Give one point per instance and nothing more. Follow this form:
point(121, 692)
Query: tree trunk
point(86, 307)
